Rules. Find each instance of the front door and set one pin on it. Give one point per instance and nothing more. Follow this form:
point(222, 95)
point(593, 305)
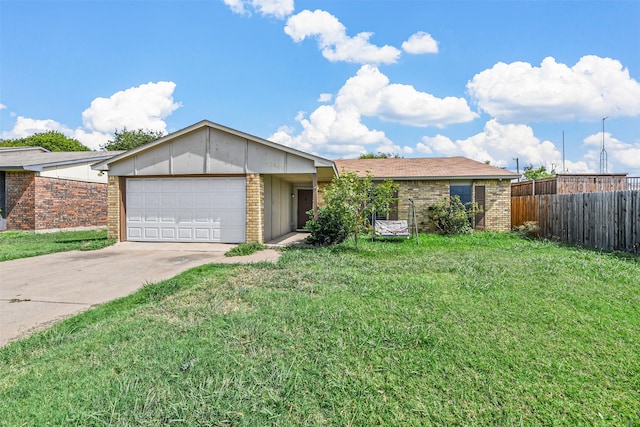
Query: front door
point(305, 204)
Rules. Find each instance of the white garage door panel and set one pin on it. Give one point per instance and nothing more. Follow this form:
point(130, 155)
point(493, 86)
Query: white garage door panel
point(186, 209)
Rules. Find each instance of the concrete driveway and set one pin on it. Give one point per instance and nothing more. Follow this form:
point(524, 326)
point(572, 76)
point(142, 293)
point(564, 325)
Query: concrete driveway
point(36, 292)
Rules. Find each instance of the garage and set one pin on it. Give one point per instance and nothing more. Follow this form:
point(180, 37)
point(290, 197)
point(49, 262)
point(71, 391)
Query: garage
point(209, 183)
point(189, 209)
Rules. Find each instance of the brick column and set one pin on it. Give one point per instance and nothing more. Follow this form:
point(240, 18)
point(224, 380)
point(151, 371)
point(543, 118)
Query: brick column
point(255, 208)
point(113, 208)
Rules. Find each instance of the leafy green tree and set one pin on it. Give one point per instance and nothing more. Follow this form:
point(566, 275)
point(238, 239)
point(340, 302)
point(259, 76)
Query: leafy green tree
point(353, 200)
point(531, 173)
point(128, 139)
point(379, 156)
point(51, 140)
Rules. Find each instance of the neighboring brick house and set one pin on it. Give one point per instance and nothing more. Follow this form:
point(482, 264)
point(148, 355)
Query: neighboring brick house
point(42, 190)
point(427, 181)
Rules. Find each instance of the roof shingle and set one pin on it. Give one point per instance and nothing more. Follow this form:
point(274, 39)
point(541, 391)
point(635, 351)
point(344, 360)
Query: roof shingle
point(424, 168)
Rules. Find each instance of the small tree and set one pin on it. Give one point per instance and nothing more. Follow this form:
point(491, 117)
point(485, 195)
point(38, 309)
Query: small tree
point(379, 155)
point(52, 141)
point(128, 139)
point(350, 201)
point(451, 216)
point(531, 173)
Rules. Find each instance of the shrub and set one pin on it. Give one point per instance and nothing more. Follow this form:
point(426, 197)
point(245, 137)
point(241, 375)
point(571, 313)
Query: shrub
point(330, 228)
point(451, 216)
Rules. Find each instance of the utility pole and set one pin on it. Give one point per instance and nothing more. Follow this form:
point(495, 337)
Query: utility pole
point(603, 153)
point(517, 166)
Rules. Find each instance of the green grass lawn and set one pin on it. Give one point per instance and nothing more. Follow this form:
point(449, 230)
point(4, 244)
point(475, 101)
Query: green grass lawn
point(20, 244)
point(487, 329)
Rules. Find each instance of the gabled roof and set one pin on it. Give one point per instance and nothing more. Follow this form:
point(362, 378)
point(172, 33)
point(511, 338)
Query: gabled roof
point(35, 159)
point(318, 161)
point(426, 168)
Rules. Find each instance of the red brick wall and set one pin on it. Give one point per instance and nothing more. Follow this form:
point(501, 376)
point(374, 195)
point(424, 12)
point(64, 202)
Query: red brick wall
point(64, 203)
point(41, 203)
point(20, 200)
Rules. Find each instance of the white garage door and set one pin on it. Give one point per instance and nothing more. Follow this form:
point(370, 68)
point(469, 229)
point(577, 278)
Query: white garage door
point(186, 209)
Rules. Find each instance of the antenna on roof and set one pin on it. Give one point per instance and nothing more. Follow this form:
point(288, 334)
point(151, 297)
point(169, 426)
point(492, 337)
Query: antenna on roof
point(603, 153)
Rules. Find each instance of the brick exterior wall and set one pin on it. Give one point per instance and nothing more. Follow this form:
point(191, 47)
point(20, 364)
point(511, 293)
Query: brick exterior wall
point(497, 204)
point(20, 200)
point(255, 208)
point(424, 194)
point(427, 193)
point(65, 203)
point(43, 203)
point(113, 208)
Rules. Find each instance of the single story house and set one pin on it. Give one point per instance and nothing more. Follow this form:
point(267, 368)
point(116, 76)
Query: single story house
point(211, 183)
point(428, 181)
point(42, 190)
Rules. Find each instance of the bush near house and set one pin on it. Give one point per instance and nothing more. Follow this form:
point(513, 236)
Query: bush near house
point(328, 229)
point(451, 216)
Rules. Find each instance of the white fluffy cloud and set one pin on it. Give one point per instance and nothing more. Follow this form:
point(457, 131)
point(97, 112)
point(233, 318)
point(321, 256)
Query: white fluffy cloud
point(420, 43)
point(500, 144)
point(337, 130)
point(334, 42)
point(331, 131)
point(142, 107)
point(3, 107)
point(277, 8)
point(373, 95)
point(25, 126)
point(325, 97)
point(592, 88)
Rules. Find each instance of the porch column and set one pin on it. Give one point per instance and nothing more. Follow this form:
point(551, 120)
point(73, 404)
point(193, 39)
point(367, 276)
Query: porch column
point(315, 195)
point(255, 208)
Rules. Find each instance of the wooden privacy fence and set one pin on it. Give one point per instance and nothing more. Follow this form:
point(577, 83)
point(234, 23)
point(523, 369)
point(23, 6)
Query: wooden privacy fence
point(609, 220)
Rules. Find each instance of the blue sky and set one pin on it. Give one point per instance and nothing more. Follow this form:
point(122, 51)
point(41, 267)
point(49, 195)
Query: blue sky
point(489, 80)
